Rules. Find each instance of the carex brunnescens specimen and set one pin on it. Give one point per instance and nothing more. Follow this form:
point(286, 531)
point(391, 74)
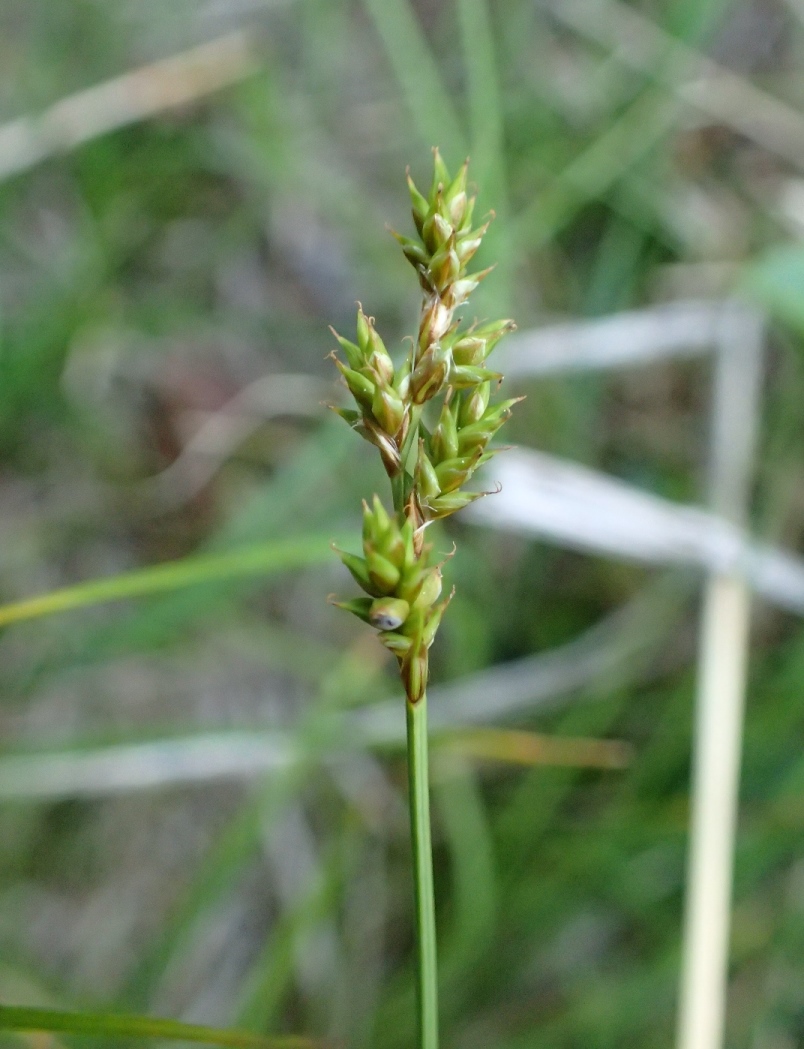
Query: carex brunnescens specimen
point(428, 463)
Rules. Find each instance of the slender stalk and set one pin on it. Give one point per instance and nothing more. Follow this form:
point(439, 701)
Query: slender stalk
point(419, 786)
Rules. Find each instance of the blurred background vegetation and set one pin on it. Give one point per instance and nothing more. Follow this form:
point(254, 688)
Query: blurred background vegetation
point(166, 282)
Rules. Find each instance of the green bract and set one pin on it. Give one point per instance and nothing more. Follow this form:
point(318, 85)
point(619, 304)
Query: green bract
point(428, 470)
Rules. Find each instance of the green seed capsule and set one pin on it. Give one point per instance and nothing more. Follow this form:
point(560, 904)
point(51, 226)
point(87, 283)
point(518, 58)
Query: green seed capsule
point(435, 324)
point(469, 350)
point(363, 332)
point(430, 374)
point(361, 388)
point(377, 523)
point(473, 404)
point(360, 573)
point(457, 209)
point(462, 376)
point(433, 623)
point(441, 177)
point(445, 437)
point(436, 232)
point(353, 354)
point(396, 643)
point(383, 574)
point(419, 204)
point(426, 477)
point(430, 589)
point(387, 409)
point(458, 184)
point(452, 473)
point(444, 266)
point(388, 613)
point(450, 502)
point(416, 255)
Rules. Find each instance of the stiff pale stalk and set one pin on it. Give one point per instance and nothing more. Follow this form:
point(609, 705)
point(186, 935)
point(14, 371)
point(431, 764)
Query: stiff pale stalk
point(419, 788)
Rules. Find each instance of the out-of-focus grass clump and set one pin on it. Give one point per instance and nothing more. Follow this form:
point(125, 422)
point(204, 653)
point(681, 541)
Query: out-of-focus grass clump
point(196, 820)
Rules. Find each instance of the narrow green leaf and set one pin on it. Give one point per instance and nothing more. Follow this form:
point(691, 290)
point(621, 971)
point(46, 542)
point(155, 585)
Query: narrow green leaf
point(597, 169)
point(248, 560)
point(419, 75)
point(122, 1025)
point(485, 106)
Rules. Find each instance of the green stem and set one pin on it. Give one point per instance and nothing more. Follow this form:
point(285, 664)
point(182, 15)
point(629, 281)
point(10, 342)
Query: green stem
point(418, 782)
point(401, 484)
point(398, 490)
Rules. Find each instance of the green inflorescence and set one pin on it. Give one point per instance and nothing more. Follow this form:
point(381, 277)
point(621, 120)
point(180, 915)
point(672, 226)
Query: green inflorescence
point(428, 468)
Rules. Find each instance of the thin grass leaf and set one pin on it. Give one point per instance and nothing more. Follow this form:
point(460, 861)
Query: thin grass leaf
point(693, 78)
point(417, 72)
point(272, 973)
point(257, 559)
point(487, 138)
point(468, 834)
point(219, 871)
point(596, 170)
point(123, 1025)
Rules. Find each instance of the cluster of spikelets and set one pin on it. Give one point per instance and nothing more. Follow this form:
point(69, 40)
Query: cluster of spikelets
point(404, 589)
point(427, 467)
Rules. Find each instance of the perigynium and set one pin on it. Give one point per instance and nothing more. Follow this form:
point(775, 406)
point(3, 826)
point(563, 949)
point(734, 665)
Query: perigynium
point(428, 468)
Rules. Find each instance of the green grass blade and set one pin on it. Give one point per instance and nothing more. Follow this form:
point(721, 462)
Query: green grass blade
point(473, 890)
point(250, 560)
point(418, 75)
point(487, 143)
point(598, 168)
point(122, 1025)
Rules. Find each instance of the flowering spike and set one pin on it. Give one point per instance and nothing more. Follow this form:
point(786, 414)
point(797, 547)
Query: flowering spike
point(428, 471)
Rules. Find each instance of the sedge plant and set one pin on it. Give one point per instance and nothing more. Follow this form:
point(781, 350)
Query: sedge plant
point(431, 419)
